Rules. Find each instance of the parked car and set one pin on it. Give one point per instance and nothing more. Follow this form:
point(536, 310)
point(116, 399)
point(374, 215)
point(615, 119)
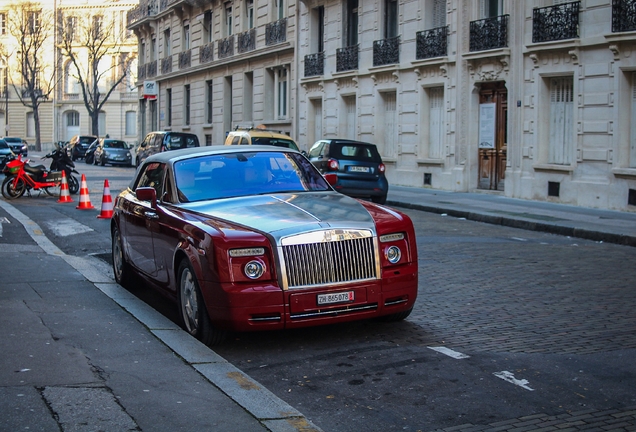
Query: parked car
point(78, 145)
point(357, 165)
point(18, 145)
point(6, 153)
point(246, 239)
point(89, 156)
point(157, 142)
point(112, 151)
point(259, 136)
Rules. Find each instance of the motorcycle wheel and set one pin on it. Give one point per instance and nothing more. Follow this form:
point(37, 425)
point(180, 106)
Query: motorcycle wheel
point(73, 185)
point(13, 188)
point(53, 191)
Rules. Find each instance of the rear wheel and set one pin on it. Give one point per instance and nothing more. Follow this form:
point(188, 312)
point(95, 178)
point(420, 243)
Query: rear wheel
point(73, 184)
point(192, 308)
point(13, 187)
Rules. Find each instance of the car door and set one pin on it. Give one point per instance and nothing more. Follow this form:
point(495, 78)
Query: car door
point(317, 155)
point(141, 220)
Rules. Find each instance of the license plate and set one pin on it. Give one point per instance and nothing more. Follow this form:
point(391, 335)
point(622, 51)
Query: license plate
point(359, 169)
point(341, 297)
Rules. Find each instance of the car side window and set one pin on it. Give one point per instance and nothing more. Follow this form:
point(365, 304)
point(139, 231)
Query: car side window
point(235, 139)
point(152, 176)
point(315, 150)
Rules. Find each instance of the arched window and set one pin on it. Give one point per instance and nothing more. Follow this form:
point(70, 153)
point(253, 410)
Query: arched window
point(72, 119)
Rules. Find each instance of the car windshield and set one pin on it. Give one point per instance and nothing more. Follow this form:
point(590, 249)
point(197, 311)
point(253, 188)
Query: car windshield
point(3, 145)
point(278, 142)
point(247, 173)
point(86, 141)
point(115, 144)
point(356, 151)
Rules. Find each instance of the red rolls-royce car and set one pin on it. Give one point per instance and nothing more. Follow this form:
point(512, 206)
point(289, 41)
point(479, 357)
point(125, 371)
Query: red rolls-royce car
point(254, 238)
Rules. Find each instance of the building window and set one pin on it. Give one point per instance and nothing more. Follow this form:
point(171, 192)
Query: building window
point(186, 37)
point(350, 117)
point(249, 12)
point(561, 141)
point(208, 139)
point(33, 22)
point(30, 125)
point(131, 123)
point(153, 48)
point(279, 9)
point(98, 26)
point(142, 51)
point(153, 114)
point(388, 122)
point(207, 27)
point(632, 138)
point(248, 92)
point(186, 105)
point(281, 93)
point(167, 49)
point(491, 8)
point(168, 107)
point(351, 23)
point(101, 123)
point(228, 19)
point(73, 119)
point(69, 27)
point(209, 96)
point(438, 16)
point(318, 29)
point(390, 18)
point(3, 23)
point(433, 118)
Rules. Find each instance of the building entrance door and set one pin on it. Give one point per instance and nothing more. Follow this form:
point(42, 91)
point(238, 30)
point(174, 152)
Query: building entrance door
point(493, 103)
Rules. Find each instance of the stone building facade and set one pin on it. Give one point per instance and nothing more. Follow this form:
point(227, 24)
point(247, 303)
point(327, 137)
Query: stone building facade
point(535, 99)
point(212, 66)
point(64, 113)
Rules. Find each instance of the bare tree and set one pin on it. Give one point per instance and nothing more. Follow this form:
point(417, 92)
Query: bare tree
point(32, 27)
point(97, 52)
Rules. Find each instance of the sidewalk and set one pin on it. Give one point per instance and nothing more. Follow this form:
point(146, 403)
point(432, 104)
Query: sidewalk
point(592, 224)
point(80, 353)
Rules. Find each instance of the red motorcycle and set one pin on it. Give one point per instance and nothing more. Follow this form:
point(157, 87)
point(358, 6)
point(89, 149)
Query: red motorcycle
point(22, 177)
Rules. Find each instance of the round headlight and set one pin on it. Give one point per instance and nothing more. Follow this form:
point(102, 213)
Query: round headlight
point(393, 254)
point(254, 269)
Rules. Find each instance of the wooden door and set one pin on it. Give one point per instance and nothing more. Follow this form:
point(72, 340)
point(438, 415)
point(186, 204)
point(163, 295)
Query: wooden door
point(492, 161)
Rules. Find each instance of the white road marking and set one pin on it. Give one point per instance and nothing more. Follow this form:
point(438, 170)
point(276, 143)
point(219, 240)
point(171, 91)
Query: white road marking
point(2, 221)
point(449, 352)
point(519, 239)
point(509, 376)
point(67, 227)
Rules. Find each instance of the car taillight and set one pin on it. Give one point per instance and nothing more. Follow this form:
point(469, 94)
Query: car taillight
point(381, 168)
point(332, 164)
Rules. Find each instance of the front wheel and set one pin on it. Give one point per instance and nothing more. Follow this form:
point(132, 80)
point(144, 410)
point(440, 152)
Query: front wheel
point(73, 184)
point(13, 187)
point(192, 308)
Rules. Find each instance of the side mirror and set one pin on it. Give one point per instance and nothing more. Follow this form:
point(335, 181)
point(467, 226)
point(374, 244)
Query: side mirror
point(331, 178)
point(147, 194)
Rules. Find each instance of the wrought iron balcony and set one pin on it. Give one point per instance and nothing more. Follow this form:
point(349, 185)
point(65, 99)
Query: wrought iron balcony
point(315, 64)
point(386, 51)
point(206, 53)
point(145, 9)
point(226, 47)
point(489, 33)
point(347, 58)
point(141, 71)
point(431, 43)
point(151, 69)
point(276, 32)
point(166, 65)
point(623, 15)
point(247, 41)
point(556, 22)
point(184, 59)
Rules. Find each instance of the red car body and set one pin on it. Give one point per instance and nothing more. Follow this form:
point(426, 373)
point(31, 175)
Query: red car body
point(321, 257)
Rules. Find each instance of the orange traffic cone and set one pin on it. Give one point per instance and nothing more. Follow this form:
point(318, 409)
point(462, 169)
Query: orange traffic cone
point(65, 196)
point(107, 203)
point(85, 200)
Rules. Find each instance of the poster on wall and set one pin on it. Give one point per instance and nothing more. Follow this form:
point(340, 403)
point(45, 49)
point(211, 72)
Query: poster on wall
point(487, 125)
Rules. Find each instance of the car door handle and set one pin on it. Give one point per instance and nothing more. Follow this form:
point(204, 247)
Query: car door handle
point(151, 215)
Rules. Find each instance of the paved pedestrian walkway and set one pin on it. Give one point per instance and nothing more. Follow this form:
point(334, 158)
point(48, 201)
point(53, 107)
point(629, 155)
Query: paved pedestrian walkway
point(592, 224)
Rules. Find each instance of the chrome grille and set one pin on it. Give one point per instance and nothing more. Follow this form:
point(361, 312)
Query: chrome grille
point(331, 261)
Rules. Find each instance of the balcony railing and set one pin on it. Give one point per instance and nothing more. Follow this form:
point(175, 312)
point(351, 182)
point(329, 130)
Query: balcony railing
point(431, 43)
point(166, 65)
point(151, 69)
point(556, 22)
point(276, 32)
point(386, 51)
point(206, 53)
point(185, 58)
point(226, 47)
point(128, 95)
point(489, 33)
point(70, 96)
point(347, 58)
point(141, 71)
point(145, 9)
point(314, 64)
point(246, 41)
point(623, 15)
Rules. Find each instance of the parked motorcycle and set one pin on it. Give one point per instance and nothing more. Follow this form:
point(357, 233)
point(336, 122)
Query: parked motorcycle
point(22, 177)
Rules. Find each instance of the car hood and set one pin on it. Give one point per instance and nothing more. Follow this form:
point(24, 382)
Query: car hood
point(284, 214)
